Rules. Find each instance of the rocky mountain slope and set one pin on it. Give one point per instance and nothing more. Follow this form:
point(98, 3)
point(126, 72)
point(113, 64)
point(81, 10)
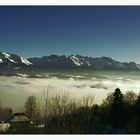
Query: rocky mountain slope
point(9, 60)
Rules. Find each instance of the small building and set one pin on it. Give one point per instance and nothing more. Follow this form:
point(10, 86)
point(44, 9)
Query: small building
point(19, 121)
point(4, 127)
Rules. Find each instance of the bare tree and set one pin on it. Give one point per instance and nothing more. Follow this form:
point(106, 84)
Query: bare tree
point(31, 106)
point(108, 100)
point(87, 101)
point(130, 97)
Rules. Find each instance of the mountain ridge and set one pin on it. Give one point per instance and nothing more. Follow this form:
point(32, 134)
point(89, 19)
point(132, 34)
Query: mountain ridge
point(65, 61)
point(97, 63)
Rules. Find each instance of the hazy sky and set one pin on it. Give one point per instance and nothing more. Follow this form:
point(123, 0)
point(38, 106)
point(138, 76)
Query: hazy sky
point(90, 31)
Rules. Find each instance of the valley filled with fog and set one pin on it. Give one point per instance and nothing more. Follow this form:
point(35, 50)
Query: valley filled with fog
point(14, 90)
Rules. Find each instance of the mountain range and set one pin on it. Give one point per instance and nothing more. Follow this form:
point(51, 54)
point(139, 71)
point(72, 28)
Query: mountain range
point(14, 61)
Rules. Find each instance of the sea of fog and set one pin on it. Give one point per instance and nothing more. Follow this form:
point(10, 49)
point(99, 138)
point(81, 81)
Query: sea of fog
point(15, 89)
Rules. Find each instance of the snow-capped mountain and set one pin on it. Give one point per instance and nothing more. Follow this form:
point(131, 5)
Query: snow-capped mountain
point(78, 61)
point(8, 59)
point(61, 61)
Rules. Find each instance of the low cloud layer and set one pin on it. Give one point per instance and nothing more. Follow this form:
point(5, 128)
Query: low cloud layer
point(15, 90)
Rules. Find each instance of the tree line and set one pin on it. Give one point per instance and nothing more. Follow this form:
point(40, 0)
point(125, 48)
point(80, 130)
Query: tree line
point(117, 114)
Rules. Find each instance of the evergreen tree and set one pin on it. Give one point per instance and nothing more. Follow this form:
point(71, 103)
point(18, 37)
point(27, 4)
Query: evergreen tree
point(116, 108)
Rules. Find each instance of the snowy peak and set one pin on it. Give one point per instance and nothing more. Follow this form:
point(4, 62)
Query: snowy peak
point(78, 61)
point(8, 56)
point(64, 61)
point(12, 59)
point(25, 61)
point(1, 61)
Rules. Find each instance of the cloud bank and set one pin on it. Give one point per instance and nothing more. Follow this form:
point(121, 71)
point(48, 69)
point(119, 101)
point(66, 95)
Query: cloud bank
point(15, 90)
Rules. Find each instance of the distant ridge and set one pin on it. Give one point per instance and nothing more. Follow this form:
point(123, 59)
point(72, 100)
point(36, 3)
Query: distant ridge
point(14, 61)
point(78, 61)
